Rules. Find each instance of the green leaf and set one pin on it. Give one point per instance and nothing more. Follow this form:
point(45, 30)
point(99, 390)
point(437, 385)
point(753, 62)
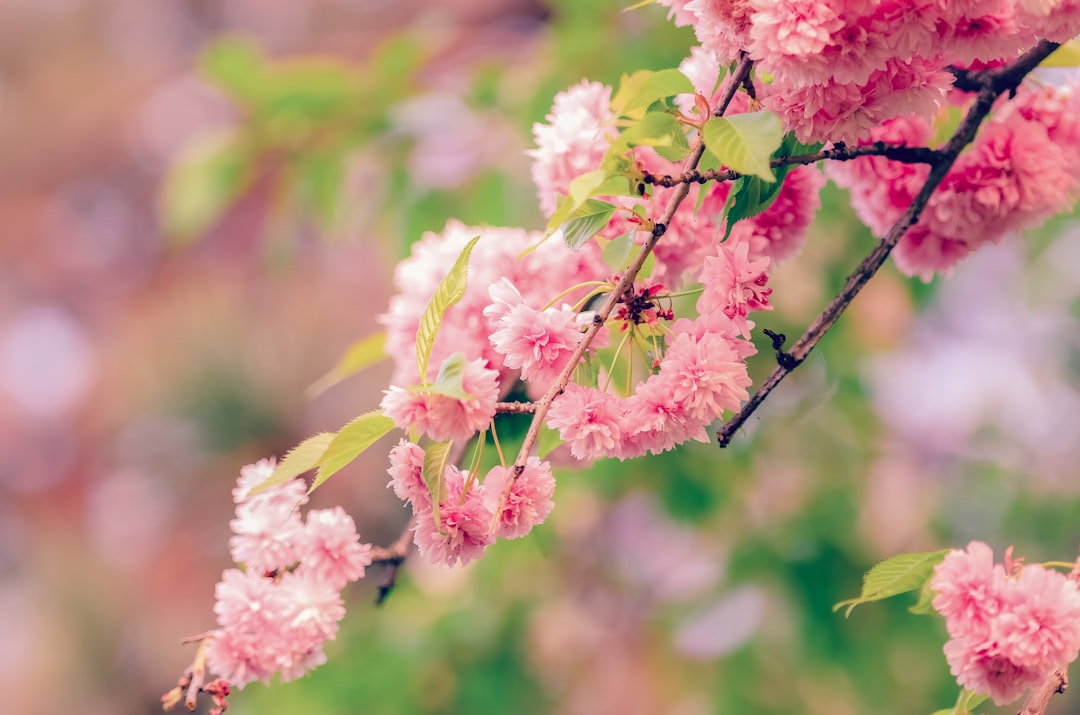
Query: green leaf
point(546, 441)
point(449, 291)
point(584, 186)
point(206, 178)
point(617, 252)
point(925, 605)
point(350, 442)
point(640, 89)
point(586, 222)
point(449, 380)
point(894, 576)
point(436, 459)
point(359, 356)
point(301, 458)
point(653, 129)
point(744, 142)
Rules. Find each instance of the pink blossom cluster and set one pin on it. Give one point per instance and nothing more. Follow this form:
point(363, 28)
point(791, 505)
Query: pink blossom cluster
point(471, 514)
point(1010, 626)
point(275, 614)
point(699, 224)
point(702, 372)
point(1023, 166)
point(840, 68)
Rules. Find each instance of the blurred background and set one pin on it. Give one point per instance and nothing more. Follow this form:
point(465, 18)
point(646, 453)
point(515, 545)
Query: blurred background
point(200, 205)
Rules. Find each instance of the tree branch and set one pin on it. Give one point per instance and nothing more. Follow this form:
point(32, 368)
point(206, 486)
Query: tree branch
point(839, 152)
point(992, 84)
point(1056, 682)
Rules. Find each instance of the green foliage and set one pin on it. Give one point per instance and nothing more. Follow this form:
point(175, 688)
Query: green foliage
point(966, 702)
point(302, 458)
point(586, 222)
point(449, 381)
point(449, 291)
point(896, 575)
point(745, 142)
point(350, 442)
point(639, 90)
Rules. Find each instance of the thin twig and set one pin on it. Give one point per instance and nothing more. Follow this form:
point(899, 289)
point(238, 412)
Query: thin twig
point(992, 83)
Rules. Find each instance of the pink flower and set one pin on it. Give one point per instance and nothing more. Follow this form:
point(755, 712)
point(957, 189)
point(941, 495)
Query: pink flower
point(722, 26)
point(780, 230)
point(463, 530)
point(677, 13)
point(573, 142)
point(1054, 20)
point(446, 417)
point(706, 375)
point(529, 501)
point(267, 528)
point(591, 421)
point(658, 421)
point(734, 285)
point(249, 608)
point(332, 549)
point(537, 342)
point(1008, 632)
point(251, 476)
point(407, 474)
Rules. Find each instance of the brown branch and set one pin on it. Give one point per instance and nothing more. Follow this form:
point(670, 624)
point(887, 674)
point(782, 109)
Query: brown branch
point(515, 408)
point(839, 152)
point(993, 83)
point(1056, 682)
point(393, 556)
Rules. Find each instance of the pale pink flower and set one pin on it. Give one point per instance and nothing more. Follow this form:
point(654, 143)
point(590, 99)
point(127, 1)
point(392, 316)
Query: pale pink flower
point(249, 609)
point(706, 375)
point(1054, 20)
point(529, 501)
point(251, 476)
point(240, 657)
point(988, 33)
point(332, 550)
point(573, 142)
point(592, 422)
point(463, 531)
point(658, 421)
point(407, 474)
point(734, 285)
point(1008, 632)
point(968, 589)
point(677, 12)
point(722, 26)
point(446, 417)
point(267, 528)
point(537, 342)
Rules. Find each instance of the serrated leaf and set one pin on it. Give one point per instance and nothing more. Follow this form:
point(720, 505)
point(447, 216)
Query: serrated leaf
point(301, 458)
point(894, 576)
point(359, 356)
point(436, 459)
point(745, 142)
point(449, 291)
point(640, 89)
point(350, 442)
point(584, 186)
point(586, 222)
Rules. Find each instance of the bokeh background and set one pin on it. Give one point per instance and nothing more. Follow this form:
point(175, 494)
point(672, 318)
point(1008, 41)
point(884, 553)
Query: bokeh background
point(200, 205)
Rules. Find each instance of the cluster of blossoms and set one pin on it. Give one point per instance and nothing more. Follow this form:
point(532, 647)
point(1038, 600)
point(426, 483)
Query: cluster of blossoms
point(841, 68)
point(1010, 626)
point(275, 615)
point(1022, 167)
